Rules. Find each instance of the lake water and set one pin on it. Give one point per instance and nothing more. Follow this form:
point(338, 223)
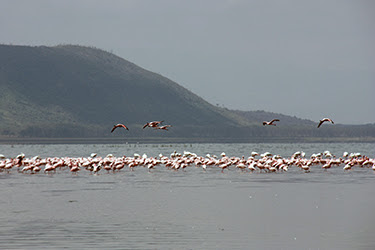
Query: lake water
point(190, 209)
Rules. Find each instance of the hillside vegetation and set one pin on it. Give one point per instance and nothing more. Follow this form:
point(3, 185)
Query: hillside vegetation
point(75, 91)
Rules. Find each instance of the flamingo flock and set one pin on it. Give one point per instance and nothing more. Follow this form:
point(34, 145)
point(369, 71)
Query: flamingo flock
point(266, 162)
point(153, 124)
point(156, 124)
point(272, 122)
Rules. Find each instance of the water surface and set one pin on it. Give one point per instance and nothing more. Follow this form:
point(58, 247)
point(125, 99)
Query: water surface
point(191, 209)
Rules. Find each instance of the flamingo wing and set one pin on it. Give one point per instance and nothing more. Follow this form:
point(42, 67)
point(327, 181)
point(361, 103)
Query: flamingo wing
point(122, 125)
point(113, 129)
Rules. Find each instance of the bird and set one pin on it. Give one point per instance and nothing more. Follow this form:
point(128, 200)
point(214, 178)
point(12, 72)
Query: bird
point(271, 122)
point(152, 124)
point(165, 127)
point(325, 120)
point(118, 126)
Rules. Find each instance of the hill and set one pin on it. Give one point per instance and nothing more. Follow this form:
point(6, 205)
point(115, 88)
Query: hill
point(81, 91)
point(74, 91)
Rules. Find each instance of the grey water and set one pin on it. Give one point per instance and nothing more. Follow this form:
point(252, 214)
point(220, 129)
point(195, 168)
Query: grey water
point(191, 208)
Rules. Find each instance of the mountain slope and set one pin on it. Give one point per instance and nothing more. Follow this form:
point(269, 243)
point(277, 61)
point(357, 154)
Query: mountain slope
point(87, 86)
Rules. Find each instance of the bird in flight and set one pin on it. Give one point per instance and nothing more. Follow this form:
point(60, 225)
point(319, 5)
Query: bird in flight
point(271, 122)
point(152, 124)
point(325, 120)
point(118, 126)
point(165, 127)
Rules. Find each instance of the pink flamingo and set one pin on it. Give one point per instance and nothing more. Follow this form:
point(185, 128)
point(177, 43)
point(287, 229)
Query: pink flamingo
point(118, 126)
point(271, 122)
point(152, 124)
point(325, 120)
point(165, 127)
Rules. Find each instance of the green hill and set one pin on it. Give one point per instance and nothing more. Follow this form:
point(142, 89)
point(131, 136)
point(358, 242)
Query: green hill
point(74, 91)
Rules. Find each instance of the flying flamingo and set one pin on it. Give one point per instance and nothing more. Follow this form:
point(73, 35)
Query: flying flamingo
point(118, 126)
point(271, 122)
point(325, 120)
point(165, 127)
point(152, 124)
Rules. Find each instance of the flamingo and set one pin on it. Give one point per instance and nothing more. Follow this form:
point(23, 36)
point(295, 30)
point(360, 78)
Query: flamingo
point(325, 120)
point(36, 169)
point(306, 168)
point(253, 154)
point(347, 166)
point(118, 126)
point(28, 168)
point(165, 127)
point(75, 169)
point(224, 166)
point(271, 122)
point(49, 168)
point(251, 167)
point(241, 166)
point(96, 168)
point(152, 124)
point(327, 165)
point(8, 165)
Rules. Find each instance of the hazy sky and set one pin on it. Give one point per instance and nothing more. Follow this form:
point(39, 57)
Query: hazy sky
point(309, 59)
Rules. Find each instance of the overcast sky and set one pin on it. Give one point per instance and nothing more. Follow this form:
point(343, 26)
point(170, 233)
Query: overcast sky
point(310, 59)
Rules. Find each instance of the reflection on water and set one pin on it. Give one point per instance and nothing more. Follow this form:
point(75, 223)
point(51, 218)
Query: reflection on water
point(191, 209)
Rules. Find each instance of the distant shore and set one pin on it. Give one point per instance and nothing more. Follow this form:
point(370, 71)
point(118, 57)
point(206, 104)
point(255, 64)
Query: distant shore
point(161, 140)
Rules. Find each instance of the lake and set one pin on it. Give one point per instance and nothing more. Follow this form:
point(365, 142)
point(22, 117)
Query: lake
point(190, 208)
